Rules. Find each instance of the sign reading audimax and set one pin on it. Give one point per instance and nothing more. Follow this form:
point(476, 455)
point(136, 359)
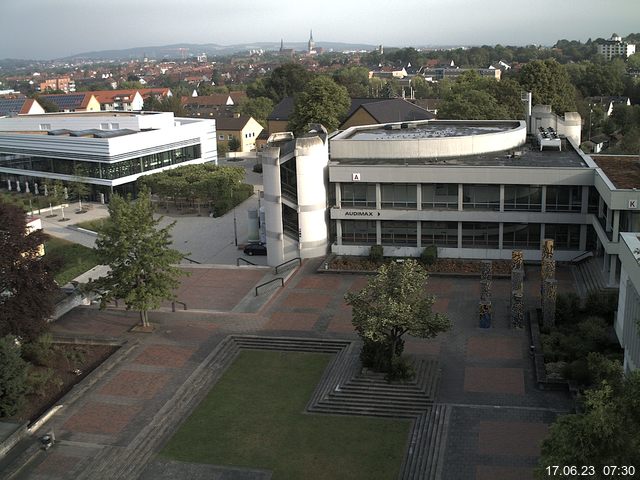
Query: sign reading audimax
point(360, 213)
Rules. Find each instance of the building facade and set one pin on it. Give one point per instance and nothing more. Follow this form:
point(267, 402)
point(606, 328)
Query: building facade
point(107, 151)
point(615, 47)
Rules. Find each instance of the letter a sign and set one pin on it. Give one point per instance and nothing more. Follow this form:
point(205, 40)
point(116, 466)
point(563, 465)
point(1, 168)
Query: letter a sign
point(355, 177)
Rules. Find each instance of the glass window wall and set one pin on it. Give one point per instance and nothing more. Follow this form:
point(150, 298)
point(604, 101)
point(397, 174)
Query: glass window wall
point(565, 237)
point(358, 195)
point(440, 196)
point(561, 198)
point(358, 232)
point(399, 233)
point(480, 235)
point(441, 234)
point(399, 195)
point(523, 198)
point(521, 235)
point(481, 197)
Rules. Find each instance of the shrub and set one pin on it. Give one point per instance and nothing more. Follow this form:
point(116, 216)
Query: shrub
point(376, 253)
point(602, 304)
point(557, 346)
point(13, 377)
point(401, 370)
point(40, 380)
point(593, 334)
point(429, 255)
point(39, 351)
point(567, 309)
point(578, 371)
point(603, 368)
point(555, 370)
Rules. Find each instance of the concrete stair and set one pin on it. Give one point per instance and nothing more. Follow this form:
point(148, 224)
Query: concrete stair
point(427, 445)
point(589, 276)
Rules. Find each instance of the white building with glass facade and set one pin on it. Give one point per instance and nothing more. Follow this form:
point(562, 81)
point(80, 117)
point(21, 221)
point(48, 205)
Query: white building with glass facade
point(108, 151)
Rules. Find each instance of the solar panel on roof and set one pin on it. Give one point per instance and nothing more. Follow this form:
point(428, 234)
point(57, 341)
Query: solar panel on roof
point(66, 102)
point(11, 105)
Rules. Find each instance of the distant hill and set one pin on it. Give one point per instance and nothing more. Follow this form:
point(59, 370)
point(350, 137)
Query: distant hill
point(191, 49)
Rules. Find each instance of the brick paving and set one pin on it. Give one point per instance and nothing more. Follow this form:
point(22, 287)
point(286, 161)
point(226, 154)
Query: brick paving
point(498, 415)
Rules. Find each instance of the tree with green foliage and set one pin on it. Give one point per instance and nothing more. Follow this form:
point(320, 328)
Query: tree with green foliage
point(322, 101)
point(139, 255)
point(607, 433)
point(79, 185)
point(13, 376)
point(27, 287)
point(355, 79)
point(472, 97)
point(549, 83)
point(259, 108)
point(234, 144)
point(48, 105)
point(285, 81)
point(393, 303)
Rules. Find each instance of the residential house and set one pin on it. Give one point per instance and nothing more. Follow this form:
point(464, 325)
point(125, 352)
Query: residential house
point(74, 102)
point(19, 106)
point(615, 47)
point(65, 84)
point(377, 111)
point(243, 128)
point(119, 100)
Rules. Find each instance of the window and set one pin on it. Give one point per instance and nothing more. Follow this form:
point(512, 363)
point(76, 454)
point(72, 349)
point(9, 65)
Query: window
point(480, 235)
point(358, 195)
point(104, 126)
point(441, 234)
point(565, 237)
point(399, 233)
point(522, 198)
point(220, 137)
point(440, 196)
point(564, 198)
point(358, 232)
point(481, 197)
point(521, 235)
point(399, 195)
point(229, 137)
point(45, 126)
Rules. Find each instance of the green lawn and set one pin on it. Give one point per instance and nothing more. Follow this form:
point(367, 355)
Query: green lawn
point(74, 259)
point(253, 417)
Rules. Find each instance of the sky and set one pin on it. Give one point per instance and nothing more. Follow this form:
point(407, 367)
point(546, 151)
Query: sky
point(47, 29)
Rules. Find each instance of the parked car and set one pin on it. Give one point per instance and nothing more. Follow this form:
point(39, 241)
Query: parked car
point(258, 248)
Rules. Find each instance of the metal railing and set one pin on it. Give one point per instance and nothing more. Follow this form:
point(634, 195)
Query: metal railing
point(581, 257)
point(191, 260)
point(298, 259)
point(173, 305)
point(244, 260)
point(269, 282)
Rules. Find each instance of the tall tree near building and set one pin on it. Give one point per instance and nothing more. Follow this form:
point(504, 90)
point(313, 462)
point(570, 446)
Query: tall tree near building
point(286, 81)
point(13, 376)
point(259, 108)
point(142, 263)
point(394, 302)
point(549, 83)
point(322, 101)
point(354, 79)
point(26, 287)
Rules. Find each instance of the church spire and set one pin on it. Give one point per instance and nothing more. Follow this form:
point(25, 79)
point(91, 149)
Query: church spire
point(311, 44)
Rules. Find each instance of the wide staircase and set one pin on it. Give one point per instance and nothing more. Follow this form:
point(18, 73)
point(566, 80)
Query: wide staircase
point(589, 277)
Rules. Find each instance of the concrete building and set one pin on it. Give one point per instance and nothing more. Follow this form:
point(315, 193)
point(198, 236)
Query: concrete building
point(109, 150)
point(615, 47)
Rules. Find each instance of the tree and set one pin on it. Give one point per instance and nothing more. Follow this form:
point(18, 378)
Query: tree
point(13, 376)
point(138, 253)
point(285, 81)
point(607, 433)
point(322, 101)
point(234, 144)
point(79, 186)
point(259, 108)
point(549, 83)
point(354, 79)
point(27, 288)
point(395, 302)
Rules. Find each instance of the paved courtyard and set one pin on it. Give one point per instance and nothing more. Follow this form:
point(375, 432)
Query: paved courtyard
point(498, 415)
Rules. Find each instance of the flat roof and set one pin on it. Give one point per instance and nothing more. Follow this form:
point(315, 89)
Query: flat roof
point(430, 129)
point(622, 170)
point(526, 155)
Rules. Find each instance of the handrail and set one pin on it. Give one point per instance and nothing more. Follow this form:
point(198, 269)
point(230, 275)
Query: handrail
point(244, 260)
point(270, 281)
point(288, 261)
point(173, 305)
point(582, 256)
point(192, 260)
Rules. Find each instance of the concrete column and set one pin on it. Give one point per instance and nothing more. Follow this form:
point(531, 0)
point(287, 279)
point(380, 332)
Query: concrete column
point(612, 270)
point(605, 261)
point(608, 221)
point(500, 235)
point(419, 233)
point(339, 232)
point(378, 232)
point(584, 208)
point(502, 198)
point(378, 197)
point(338, 187)
point(460, 196)
point(544, 199)
point(459, 234)
point(419, 197)
point(600, 206)
point(272, 205)
point(583, 237)
point(616, 225)
point(542, 234)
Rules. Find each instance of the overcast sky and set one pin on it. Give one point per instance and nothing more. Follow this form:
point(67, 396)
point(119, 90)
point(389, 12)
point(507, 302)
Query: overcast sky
point(45, 29)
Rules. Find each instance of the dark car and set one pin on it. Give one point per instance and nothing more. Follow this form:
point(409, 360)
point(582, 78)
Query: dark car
point(255, 249)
